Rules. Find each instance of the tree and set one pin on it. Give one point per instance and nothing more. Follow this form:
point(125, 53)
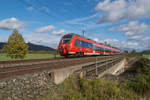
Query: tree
point(16, 46)
point(126, 51)
point(133, 52)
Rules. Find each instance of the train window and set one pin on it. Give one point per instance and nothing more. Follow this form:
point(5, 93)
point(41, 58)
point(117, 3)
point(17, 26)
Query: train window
point(80, 43)
point(90, 45)
point(84, 44)
point(68, 36)
point(106, 50)
point(102, 49)
point(66, 40)
point(77, 43)
point(98, 48)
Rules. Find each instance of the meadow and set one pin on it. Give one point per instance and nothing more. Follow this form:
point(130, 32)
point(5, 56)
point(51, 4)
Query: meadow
point(31, 56)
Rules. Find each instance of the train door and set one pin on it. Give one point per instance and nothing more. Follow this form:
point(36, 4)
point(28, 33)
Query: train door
point(94, 48)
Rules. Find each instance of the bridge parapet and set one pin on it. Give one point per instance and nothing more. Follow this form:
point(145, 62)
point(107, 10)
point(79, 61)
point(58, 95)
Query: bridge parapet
point(112, 64)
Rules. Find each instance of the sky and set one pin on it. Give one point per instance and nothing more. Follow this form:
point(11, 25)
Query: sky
point(121, 23)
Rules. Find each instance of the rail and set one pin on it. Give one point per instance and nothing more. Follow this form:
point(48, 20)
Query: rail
point(52, 65)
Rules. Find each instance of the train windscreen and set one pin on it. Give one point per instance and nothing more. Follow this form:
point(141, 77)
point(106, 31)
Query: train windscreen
point(67, 38)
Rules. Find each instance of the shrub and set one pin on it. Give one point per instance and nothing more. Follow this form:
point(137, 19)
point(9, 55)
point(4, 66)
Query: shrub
point(142, 85)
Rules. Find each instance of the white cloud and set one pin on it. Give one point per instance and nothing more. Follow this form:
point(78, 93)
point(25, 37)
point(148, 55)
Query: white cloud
point(11, 23)
point(45, 9)
point(31, 8)
point(45, 29)
point(39, 8)
point(111, 41)
point(124, 45)
point(96, 39)
point(134, 30)
point(52, 39)
point(136, 37)
point(43, 39)
point(80, 21)
point(122, 9)
point(132, 27)
point(137, 34)
point(59, 32)
point(140, 38)
point(146, 39)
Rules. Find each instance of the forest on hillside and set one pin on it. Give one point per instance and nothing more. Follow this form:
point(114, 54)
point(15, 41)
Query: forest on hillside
point(33, 47)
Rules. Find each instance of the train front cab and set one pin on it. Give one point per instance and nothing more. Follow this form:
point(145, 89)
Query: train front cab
point(64, 45)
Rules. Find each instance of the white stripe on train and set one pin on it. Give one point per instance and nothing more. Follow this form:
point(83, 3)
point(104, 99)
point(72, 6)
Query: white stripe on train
point(88, 53)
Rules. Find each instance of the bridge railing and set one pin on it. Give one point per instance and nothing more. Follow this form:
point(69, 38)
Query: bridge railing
point(101, 64)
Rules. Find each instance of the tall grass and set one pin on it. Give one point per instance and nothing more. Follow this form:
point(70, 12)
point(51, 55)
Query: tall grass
point(83, 89)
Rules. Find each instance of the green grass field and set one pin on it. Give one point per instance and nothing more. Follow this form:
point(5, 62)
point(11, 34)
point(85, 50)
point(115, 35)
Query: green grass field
point(31, 56)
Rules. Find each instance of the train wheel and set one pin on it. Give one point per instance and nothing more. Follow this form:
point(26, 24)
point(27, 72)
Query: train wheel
point(66, 56)
point(82, 53)
point(77, 54)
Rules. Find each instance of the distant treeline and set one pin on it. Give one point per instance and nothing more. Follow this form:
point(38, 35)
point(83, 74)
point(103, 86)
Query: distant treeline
point(34, 48)
point(146, 52)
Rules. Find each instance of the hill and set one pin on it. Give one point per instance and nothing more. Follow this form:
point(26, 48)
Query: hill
point(1, 45)
point(33, 47)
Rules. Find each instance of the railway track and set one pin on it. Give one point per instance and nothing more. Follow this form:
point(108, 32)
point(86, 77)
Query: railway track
point(11, 63)
point(18, 70)
point(34, 66)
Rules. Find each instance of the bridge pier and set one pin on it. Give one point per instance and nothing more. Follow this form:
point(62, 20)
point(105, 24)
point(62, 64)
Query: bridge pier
point(61, 75)
point(115, 69)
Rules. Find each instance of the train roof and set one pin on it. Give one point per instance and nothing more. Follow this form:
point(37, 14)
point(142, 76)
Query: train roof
point(82, 36)
point(92, 40)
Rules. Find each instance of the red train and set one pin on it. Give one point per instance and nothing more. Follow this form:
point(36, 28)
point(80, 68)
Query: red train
point(73, 44)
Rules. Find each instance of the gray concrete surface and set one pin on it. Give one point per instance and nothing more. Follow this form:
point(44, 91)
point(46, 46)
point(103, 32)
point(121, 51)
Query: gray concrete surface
point(115, 70)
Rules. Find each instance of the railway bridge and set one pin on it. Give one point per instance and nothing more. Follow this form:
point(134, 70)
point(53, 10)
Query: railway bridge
point(100, 66)
point(60, 69)
point(20, 76)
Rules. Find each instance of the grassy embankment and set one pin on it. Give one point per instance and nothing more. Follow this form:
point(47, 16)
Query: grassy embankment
point(83, 89)
point(31, 56)
point(146, 56)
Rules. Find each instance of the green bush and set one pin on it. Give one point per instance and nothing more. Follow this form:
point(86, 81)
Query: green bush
point(142, 85)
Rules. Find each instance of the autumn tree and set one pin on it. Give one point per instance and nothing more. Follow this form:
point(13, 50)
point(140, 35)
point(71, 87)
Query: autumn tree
point(133, 53)
point(16, 46)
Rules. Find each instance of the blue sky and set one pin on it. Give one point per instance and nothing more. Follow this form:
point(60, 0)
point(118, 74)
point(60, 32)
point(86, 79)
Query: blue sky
point(121, 23)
